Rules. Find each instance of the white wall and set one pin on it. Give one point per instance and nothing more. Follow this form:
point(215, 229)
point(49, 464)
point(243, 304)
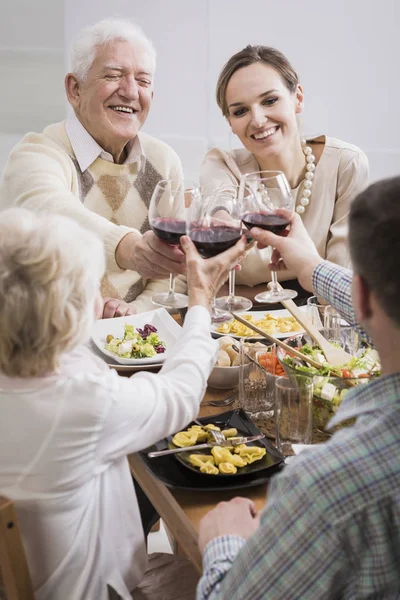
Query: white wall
point(346, 53)
point(31, 68)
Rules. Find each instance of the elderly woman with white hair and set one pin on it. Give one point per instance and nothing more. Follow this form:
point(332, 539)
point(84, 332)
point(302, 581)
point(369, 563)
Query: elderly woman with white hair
point(68, 422)
point(97, 168)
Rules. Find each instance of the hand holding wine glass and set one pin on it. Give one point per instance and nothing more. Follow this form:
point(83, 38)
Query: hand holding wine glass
point(264, 195)
point(227, 203)
point(213, 227)
point(167, 220)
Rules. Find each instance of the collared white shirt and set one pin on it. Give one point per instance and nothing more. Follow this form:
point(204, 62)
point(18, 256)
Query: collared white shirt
point(86, 149)
point(64, 440)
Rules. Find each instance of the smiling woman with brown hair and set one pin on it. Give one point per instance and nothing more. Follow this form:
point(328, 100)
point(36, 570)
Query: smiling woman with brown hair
point(259, 94)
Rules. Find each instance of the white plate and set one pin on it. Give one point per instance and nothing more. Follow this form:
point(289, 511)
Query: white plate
point(258, 315)
point(167, 329)
point(123, 368)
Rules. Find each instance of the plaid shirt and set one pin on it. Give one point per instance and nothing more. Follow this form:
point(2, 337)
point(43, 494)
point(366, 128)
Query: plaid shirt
point(331, 525)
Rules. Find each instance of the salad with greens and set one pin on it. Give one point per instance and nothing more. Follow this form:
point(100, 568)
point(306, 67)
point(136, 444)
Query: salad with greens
point(139, 343)
point(331, 383)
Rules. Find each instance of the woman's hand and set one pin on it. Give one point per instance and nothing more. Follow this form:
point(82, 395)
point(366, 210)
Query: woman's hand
point(116, 308)
point(205, 276)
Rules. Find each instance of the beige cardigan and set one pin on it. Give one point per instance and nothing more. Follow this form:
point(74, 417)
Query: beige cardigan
point(341, 173)
point(111, 200)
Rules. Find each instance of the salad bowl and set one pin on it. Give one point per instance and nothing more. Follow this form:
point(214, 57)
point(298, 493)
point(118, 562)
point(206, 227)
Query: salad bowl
point(330, 384)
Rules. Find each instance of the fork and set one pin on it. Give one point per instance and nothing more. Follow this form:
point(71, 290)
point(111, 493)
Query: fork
point(225, 402)
point(218, 436)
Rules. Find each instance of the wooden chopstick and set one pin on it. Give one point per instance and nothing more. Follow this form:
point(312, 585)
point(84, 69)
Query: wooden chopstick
point(278, 342)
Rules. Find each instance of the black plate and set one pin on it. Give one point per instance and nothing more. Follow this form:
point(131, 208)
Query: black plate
point(183, 457)
point(175, 475)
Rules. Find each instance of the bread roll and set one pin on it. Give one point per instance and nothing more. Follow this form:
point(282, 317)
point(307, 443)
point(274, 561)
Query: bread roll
point(233, 355)
point(225, 341)
point(223, 359)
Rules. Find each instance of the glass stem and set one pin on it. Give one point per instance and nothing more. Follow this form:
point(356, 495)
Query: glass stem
point(231, 294)
point(274, 279)
point(171, 291)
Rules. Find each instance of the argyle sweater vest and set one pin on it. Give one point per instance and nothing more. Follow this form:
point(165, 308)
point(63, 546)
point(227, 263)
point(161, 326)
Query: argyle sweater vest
point(119, 193)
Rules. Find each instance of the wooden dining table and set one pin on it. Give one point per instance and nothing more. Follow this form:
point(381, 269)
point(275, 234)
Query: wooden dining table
point(180, 509)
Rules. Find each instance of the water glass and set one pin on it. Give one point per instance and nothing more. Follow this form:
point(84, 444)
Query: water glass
point(315, 311)
point(293, 413)
point(256, 386)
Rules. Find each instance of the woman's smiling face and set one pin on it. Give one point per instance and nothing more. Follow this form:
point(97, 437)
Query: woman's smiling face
point(261, 109)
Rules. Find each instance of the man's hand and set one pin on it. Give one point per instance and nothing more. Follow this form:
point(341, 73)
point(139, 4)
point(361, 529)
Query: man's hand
point(205, 276)
point(149, 256)
point(295, 252)
point(236, 517)
point(116, 308)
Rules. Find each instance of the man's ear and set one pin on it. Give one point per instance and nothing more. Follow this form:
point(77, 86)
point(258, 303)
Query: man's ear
point(361, 298)
point(72, 89)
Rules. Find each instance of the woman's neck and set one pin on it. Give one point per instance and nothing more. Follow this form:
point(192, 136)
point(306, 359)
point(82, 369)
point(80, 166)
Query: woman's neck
point(292, 163)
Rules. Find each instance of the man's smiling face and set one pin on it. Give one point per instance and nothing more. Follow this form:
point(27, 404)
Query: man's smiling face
point(114, 100)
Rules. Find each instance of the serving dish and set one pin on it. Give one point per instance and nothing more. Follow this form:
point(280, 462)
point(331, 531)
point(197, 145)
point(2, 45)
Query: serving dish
point(257, 315)
point(328, 389)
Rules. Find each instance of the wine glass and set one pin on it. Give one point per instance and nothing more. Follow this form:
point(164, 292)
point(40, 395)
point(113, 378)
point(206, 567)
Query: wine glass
point(263, 194)
point(226, 198)
point(213, 226)
point(167, 220)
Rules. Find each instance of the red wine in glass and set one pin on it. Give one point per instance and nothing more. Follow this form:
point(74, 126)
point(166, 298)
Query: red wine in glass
point(169, 230)
point(270, 222)
point(211, 241)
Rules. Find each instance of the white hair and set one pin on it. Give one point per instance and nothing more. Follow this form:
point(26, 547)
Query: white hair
point(88, 40)
point(50, 270)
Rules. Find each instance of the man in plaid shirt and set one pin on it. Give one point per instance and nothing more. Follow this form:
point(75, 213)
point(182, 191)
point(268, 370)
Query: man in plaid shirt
point(331, 524)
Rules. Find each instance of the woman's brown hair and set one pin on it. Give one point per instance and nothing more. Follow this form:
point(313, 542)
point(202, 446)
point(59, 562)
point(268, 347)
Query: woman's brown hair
point(248, 56)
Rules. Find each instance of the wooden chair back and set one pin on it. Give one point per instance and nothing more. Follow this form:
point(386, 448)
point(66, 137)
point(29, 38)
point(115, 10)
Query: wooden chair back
point(15, 580)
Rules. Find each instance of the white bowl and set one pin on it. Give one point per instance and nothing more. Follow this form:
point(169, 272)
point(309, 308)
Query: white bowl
point(224, 378)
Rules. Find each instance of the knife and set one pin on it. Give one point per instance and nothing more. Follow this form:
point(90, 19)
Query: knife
point(233, 442)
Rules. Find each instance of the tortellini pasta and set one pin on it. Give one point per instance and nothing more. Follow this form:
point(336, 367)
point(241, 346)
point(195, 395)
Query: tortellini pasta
point(185, 438)
point(252, 453)
point(268, 323)
point(224, 460)
point(205, 462)
point(227, 468)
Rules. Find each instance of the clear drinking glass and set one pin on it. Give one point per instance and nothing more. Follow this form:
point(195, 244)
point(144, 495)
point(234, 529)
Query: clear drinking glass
point(264, 194)
point(293, 413)
point(256, 385)
point(315, 311)
point(167, 220)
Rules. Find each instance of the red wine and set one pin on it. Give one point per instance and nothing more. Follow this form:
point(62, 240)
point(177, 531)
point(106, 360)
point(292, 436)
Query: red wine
point(274, 223)
point(169, 230)
point(210, 241)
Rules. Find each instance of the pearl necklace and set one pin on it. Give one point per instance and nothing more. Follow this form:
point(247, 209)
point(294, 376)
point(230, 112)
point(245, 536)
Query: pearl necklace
point(307, 189)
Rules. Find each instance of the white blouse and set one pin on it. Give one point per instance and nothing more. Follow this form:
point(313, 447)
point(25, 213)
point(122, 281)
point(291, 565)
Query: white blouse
point(341, 174)
point(64, 441)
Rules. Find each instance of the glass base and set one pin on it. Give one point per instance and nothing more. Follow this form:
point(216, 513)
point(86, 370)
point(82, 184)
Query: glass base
point(170, 300)
point(234, 303)
point(272, 297)
point(220, 316)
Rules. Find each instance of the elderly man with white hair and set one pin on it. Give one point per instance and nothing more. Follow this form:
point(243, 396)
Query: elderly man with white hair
point(98, 169)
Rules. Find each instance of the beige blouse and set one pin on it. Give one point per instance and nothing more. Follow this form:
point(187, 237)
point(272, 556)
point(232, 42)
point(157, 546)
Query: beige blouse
point(341, 174)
